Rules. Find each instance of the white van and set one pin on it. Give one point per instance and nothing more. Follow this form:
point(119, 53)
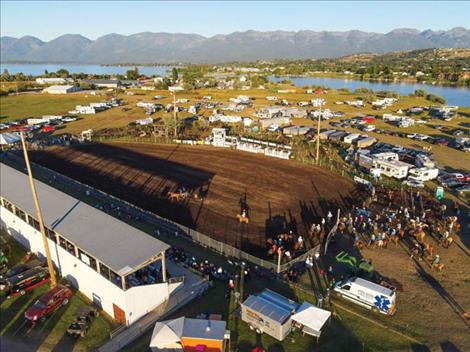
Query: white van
point(367, 294)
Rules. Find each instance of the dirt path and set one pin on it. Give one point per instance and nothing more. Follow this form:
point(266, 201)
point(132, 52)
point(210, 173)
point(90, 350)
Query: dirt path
point(431, 303)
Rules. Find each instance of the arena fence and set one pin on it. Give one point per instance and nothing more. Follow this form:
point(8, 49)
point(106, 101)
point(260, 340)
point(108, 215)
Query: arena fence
point(129, 212)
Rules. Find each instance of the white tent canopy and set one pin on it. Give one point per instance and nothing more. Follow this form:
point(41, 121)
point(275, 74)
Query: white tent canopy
point(9, 138)
point(167, 335)
point(312, 318)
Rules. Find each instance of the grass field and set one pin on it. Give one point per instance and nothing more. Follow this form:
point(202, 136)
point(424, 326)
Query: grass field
point(345, 332)
point(50, 335)
point(36, 105)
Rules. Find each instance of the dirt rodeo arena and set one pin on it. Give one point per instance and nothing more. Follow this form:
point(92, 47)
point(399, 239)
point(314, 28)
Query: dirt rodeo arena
point(403, 239)
point(235, 197)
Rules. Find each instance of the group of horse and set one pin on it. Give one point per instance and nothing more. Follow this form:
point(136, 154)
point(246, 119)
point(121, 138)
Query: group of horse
point(413, 231)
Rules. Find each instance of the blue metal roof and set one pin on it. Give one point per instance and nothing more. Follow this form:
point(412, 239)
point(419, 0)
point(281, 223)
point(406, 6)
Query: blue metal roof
point(272, 305)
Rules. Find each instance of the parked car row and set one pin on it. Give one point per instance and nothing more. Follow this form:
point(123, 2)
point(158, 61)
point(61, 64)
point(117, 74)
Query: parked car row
point(31, 273)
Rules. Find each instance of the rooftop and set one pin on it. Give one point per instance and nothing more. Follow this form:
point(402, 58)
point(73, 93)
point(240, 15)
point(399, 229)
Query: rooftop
point(272, 305)
point(116, 244)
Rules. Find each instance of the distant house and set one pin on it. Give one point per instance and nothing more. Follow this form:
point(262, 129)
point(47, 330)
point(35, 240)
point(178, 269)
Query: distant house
point(53, 80)
point(280, 111)
point(61, 89)
point(295, 130)
point(103, 83)
point(275, 121)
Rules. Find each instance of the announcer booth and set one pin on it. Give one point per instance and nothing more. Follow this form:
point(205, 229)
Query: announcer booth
point(118, 267)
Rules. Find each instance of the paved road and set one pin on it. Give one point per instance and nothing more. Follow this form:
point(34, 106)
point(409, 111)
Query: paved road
point(11, 344)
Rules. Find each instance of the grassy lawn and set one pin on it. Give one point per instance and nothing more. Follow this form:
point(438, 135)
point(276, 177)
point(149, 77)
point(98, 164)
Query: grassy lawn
point(35, 104)
point(50, 335)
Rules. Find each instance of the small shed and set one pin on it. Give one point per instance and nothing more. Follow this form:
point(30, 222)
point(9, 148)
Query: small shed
point(185, 334)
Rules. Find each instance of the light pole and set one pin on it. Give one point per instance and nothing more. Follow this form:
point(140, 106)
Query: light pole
point(318, 103)
point(39, 215)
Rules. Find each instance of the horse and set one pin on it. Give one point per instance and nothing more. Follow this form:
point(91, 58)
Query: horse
point(447, 242)
point(176, 196)
point(428, 247)
point(420, 236)
point(395, 239)
point(382, 243)
point(439, 266)
point(243, 219)
point(359, 244)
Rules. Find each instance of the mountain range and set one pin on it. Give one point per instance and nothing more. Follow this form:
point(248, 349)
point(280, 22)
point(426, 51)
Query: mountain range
point(147, 47)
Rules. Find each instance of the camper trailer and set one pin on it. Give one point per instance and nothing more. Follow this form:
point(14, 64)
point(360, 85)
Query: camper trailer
point(367, 294)
point(351, 138)
point(392, 168)
point(423, 174)
point(366, 142)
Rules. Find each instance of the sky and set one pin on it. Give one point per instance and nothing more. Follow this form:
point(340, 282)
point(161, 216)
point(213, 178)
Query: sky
point(50, 19)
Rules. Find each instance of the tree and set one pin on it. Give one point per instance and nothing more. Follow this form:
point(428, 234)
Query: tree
point(174, 74)
point(62, 73)
point(46, 72)
point(133, 74)
point(5, 75)
point(420, 93)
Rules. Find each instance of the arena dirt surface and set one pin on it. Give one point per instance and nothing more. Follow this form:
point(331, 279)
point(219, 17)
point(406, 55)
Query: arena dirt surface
point(280, 194)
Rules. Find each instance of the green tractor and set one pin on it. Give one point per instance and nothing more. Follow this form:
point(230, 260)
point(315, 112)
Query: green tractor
point(351, 261)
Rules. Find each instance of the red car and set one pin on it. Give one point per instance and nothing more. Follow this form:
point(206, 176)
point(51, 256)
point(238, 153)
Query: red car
point(443, 142)
point(48, 128)
point(48, 303)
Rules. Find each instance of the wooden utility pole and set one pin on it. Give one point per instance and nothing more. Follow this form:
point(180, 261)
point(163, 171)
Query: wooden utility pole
point(317, 156)
point(39, 215)
point(174, 111)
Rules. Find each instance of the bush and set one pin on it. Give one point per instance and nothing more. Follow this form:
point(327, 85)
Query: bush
point(435, 99)
point(420, 93)
point(363, 90)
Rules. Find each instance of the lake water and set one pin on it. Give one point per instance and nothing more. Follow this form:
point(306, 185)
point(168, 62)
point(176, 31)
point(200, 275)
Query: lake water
point(454, 95)
point(38, 69)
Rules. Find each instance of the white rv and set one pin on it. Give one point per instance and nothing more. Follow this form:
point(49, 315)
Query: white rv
point(423, 174)
point(367, 294)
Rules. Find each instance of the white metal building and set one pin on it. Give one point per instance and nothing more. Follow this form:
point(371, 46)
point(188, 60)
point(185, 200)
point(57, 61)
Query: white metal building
point(120, 268)
point(61, 89)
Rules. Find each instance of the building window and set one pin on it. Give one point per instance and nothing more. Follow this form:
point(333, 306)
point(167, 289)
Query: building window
point(90, 261)
point(68, 246)
point(34, 223)
point(104, 270)
point(51, 234)
point(115, 278)
point(20, 213)
point(8, 205)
